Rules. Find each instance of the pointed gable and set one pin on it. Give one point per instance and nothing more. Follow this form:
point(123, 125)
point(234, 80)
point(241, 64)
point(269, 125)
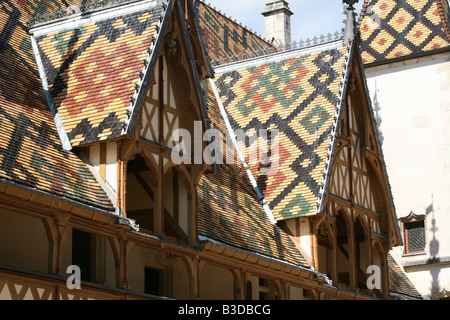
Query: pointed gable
point(297, 96)
point(357, 175)
point(93, 63)
point(399, 29)
point(171, 96)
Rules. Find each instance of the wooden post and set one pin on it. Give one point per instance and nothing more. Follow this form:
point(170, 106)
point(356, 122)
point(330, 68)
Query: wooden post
point(352, 252)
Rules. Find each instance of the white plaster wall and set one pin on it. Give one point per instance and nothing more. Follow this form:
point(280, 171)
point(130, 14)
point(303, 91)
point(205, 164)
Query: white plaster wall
point(111, 162)
point(411, 99)
point(431, 280)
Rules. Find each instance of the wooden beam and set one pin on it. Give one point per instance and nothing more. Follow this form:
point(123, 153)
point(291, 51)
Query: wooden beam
point(103, 160)
point(148, 190)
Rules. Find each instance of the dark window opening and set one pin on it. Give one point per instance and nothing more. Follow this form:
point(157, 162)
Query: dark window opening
point(154, 281)
point(82, 253)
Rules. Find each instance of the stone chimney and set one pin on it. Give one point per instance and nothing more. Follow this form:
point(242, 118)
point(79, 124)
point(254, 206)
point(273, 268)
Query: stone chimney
point(278, 22)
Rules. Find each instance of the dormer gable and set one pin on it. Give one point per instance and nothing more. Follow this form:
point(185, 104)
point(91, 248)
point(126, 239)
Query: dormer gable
point(120, 82)
point(95, 66)
point(357, 175)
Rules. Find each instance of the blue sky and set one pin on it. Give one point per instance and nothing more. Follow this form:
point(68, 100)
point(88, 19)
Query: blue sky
point(311, 17)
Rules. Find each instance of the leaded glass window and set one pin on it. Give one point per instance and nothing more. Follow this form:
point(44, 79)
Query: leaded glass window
point(415, 237)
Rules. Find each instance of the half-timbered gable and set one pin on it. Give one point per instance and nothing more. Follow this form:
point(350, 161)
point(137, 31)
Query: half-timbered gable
point(359, 213)
point(123, 84)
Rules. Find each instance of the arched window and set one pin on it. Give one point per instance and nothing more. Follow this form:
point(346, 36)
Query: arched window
point(177, 202)
point(325, 250)
point(362, 253)
point(140, 193)
point(343, 250)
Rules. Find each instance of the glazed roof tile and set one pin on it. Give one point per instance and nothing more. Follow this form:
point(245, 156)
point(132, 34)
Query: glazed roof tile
point(230, 212)
point(298, 97)
point(92, 70)
point(30, 149)
point(400, 29)
point(225, 37)
point(399, 282)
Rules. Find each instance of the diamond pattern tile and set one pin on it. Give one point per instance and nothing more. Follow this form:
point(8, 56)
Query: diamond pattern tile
point(92, 71)
point(397, 29)
point(296, 96)
point(30, 148)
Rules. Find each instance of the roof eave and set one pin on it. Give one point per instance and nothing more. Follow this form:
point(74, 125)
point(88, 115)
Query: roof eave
point(407, 57)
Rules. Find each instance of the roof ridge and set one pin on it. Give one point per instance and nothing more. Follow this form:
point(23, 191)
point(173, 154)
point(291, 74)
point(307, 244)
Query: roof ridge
point(362, 13)
point(83, 7)
point(276, 54)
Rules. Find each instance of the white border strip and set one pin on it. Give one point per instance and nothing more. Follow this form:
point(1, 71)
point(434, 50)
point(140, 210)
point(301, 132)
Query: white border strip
point(241, 156)
point(334, 134)
point(147, 66)
point(56, 117)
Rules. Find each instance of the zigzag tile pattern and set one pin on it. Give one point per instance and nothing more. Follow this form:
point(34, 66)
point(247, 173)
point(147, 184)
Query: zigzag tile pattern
point(395, 29)
point(92, 72)
point(297, 97)
point(224, 37)
point(229, 212)
point(30, 148)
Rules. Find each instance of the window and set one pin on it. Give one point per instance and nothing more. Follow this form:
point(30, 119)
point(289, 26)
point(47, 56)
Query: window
point(415, 237)
point(249, 290)
point(414, 233)
point(154, 281)
point(82, 253)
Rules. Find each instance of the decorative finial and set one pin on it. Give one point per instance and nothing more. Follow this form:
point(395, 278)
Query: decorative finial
point(350, 3)
point(350, 25)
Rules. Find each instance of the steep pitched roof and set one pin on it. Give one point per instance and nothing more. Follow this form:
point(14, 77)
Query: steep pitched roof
point(230, 212)
point(93, 65)
point(225, 37)
point(402, 28)
point(297, 95)
point(30, 150)
point(399, 282)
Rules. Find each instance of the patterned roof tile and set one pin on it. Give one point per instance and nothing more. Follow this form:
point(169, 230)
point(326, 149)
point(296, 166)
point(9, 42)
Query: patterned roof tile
point(92, 71)
point(399, 282)
point(398, 29)
point(296, 96)
point(230, 212)
point(224, 37)
point(30, 148)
